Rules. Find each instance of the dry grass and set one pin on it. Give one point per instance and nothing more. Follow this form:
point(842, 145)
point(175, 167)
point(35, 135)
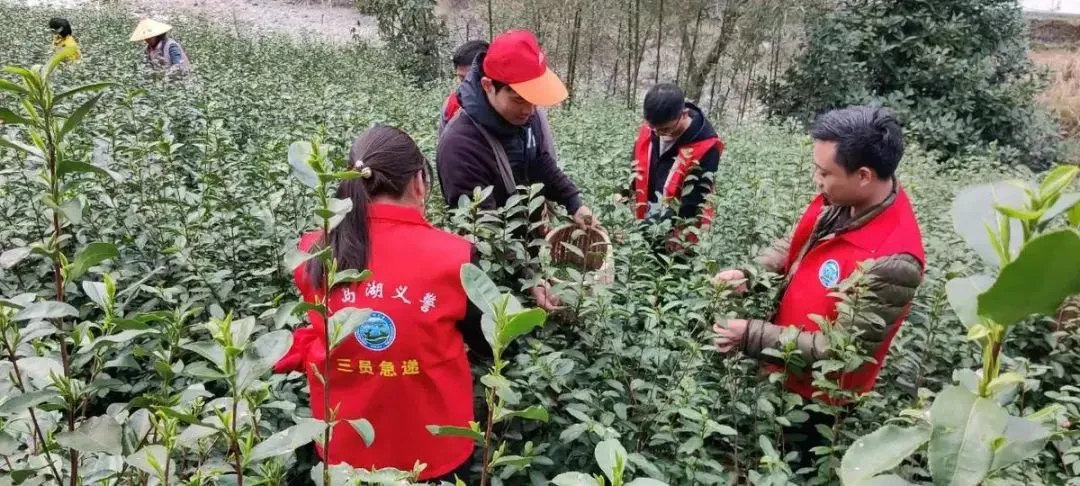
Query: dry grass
point(1063, 94)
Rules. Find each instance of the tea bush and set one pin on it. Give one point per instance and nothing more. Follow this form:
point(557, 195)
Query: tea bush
point(190, 182)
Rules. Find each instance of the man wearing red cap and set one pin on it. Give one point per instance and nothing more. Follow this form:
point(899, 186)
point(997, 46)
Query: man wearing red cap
point(498, 104)
point(464, 58)
point(495, 139)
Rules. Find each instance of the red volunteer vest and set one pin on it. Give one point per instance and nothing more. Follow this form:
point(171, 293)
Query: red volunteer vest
point(405, 368)
point(686, 159)
point(452, 106)
point(892, 232)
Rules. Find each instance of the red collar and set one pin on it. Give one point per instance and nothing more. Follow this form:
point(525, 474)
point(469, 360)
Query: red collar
point(872, 234)
point(397, 213)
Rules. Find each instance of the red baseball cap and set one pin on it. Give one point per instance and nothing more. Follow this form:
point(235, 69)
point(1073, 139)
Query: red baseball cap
point(515, 58)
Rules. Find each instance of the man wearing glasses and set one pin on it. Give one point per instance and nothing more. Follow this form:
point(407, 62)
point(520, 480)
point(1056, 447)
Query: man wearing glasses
point(676, 149)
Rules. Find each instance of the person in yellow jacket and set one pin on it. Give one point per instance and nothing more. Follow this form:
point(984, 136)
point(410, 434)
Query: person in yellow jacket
point(62, 36)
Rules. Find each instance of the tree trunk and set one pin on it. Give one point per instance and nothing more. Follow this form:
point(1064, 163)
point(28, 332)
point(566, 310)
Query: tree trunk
point(659, 42)
point(778, 40)
point(731, 82)
point(589, 60)
point(639, 59)
point(491, 22)
point(732, 11)
point(575, 37)
point(633, 19)
point(694, 42)
point(684, 38)
point(613, 80)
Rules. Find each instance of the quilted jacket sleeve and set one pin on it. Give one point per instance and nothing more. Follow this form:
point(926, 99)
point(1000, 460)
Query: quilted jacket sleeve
point(892, 282)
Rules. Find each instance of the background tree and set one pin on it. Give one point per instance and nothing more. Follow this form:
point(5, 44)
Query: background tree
point(955, 71)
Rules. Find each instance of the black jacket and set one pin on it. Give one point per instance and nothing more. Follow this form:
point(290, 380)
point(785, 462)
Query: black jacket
point(464, 160)
point(660, 164)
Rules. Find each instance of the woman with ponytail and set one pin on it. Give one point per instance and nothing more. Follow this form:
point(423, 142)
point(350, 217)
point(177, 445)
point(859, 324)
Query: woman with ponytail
point(405, 367)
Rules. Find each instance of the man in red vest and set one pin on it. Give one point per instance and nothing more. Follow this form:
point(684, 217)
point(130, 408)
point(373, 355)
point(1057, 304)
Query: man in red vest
point(861, 214)
point(676, 149)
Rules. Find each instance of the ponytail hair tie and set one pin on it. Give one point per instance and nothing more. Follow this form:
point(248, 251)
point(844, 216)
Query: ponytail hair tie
point(365, 172)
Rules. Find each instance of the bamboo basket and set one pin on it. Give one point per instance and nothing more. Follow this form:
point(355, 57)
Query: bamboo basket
point(598, 262)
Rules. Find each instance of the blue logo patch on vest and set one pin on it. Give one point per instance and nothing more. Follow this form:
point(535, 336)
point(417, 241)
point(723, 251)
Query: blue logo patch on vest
point(376, 333)
point(829, 273)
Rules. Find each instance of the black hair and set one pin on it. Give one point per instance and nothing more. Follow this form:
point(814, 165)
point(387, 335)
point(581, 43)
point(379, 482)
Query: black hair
point(466, 53)
point(663, 103)
point(865, 136)
point(390, 159)
point(499, 85)
point(60, 26)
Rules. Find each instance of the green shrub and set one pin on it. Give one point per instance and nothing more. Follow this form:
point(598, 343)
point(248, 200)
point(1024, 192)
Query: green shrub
point(956, 72)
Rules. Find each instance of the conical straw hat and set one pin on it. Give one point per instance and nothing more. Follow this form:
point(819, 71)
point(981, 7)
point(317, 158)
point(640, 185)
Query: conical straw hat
point(149, 28)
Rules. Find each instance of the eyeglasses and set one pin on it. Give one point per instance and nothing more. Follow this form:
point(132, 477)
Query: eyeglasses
point(669, 128)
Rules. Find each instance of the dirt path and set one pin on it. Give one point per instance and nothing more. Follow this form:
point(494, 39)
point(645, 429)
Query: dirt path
point(301, 18)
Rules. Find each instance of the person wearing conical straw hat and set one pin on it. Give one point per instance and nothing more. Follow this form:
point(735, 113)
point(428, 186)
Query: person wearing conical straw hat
point(161, 50)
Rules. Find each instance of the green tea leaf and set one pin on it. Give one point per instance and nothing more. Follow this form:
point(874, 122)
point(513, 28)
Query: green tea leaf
point(646, 482)
point(350, 276)
point(13, 256)
point(81, 89)
point(339, 209)
point(521, 324)
point(294, 258)
point(1003, 381)
point(442, 431)
point(964, 294)
point(344, 322)
point(150, 459)
point(1057, 180)
point(240, 330)
point(478, 286)
point(98, 293)
point(1066, 203)
point(880, 451)
point(886, 480)
point(299, 153)
point(1038, 280)
point(32, 399)
point(1023, 440)
point(211, 351)
point(1020, 214)
point(65, 166)
point(575, 479)
point(286, 441)
point(965, 427)
point(48, 309)
point(973, 211)
point(96, 434)
point(534, 412)
point(11, 118)
point(61, 55)
point(191, 436)
point(609, 456)
point(22, 147)
point(12, 87)
point(78, 115)
point(91, 255)
point(364, 428)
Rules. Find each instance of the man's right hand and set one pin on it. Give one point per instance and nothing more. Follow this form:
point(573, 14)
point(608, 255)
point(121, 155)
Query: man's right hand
point(734, 278)
point(545, 298)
